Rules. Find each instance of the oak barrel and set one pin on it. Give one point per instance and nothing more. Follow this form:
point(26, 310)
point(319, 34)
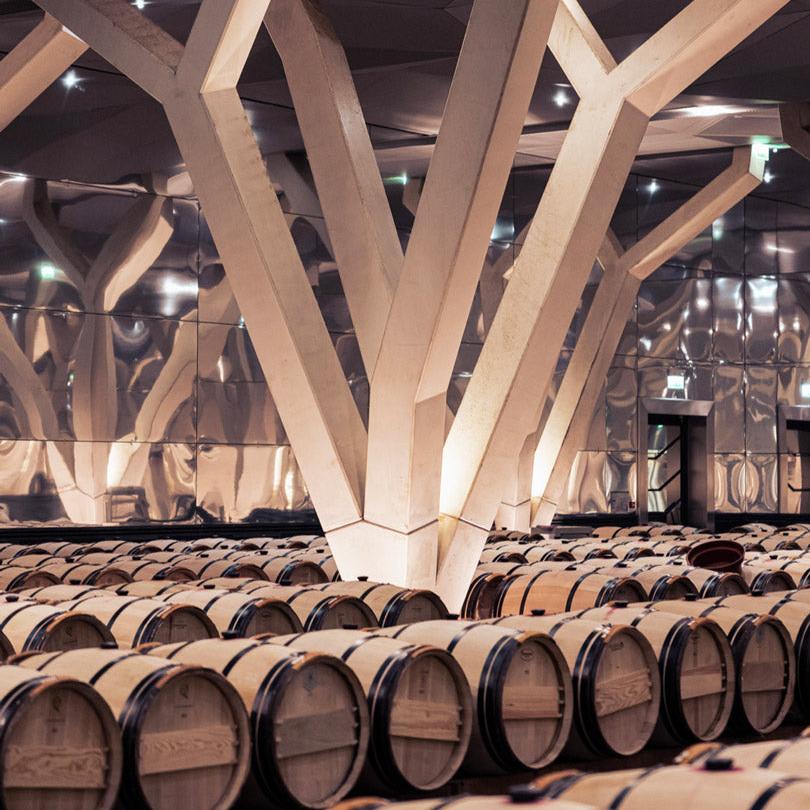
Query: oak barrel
point(696, 665)
point(764, 660)
point(521, 687)
point(184, 728)
point(391, 604)
point(33, 626)
point(786, 756)
point(560, 591)
point(309, 718)
point(133, 621)
point(60, 746)
point(617, 688)
point(240, 613)
point(419, 703)
point(16, 578)
point(77, 572)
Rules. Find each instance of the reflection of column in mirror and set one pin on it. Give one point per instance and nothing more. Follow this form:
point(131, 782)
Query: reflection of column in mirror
point(126, 255)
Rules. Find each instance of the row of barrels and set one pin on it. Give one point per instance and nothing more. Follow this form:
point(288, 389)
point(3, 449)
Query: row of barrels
point(103, 568)
point(753, 776)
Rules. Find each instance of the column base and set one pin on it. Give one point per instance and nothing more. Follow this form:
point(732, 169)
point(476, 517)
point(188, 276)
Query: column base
point(515, 518)
point(384, 555)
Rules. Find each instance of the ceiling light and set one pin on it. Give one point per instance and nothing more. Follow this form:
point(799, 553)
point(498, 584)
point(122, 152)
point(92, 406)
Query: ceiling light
point(139, 4)
point(653, 186)
point(70, 79)
point(767, 177)
point(676, 382)
point(47, 272)
point(717, 229)
point(709, 110)
point(561, 98)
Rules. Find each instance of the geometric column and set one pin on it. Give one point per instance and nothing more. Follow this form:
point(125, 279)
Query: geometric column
point(503, 401)
point(567, 426)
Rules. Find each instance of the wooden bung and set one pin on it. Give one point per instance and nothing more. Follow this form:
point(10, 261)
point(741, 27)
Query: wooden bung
point(617, 688)
point(309, 718)
point(184, 728)
point(521, 687)
point(60, 746)
point(696, 665)
point(419, 703)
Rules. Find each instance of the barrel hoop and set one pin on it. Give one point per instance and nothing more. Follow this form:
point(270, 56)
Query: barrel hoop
point(103, 671)
point(208, 605)
point(13, 613)
point(130, 719)
point(283, 577)
point(768, 760)
point(572, 592)
point(120, 609)
point(710, 586)
point(318, 612)
point(618, 799)
point(242, 617)
point(458, 636)
point(673, 649)
point(39, 632)
point(393, 608)
point(526, 590)
point(659, 588)
point(583, 674)
point(380, 694)
point(354, 646)
point(148, 627)
point(262, 717)
point(765, 797)
point(559, 786)
point(490, 690)
point(802, 647)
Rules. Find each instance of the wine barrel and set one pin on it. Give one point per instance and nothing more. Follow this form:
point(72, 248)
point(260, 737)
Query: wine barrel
point(16, 578)
point(152, 588)
point(785, 756)
point(57, 548)
point(310, 719)
point(110, 547)
point(204, 567)
point(315, 610)
point(662, 585)
point(133, 621)
point(709, 583)
point(59, 744)
point(495, 554)
point(764, 660)
point(31, 560)
point(10, 550)
point(617, 688)
point(146, 569)
point(56, 594)
point(286, 571)
point(320, 557)
point(764, 581)
point(240, 613)
point(696, 665)
point(482, 596)
point(419, 703)
point(391, 604)
point(525, 796)
point(521, 687)
point(76, 572)
point(795, 616)
point(560, 591)
point(32, 626)
point(184, 728)
point(718, 784)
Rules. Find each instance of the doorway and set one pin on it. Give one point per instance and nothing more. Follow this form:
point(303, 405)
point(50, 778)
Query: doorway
point(675, 466)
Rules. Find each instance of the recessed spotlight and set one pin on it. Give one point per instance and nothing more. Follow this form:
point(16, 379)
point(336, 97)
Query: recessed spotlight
point(561, 98)
point(767, 177)
point(139, 4)
point(653, 186)
point(70, 79)
point(47, 271)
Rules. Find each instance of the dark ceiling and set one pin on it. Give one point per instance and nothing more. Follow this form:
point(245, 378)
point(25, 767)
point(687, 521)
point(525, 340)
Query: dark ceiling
point(402, 53)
